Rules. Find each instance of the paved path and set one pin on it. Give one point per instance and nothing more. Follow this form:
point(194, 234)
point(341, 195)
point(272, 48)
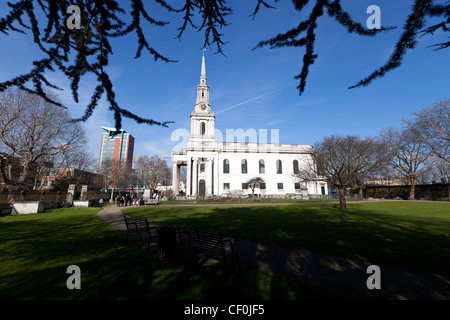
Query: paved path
point(334, 272)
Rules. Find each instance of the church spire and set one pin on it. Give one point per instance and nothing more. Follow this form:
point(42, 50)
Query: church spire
point(202, 118)
point(202, 88)
point(203, 73)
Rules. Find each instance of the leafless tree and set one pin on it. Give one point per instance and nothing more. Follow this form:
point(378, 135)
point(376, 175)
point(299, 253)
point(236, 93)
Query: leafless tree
point(307, 171)
point(254, 183)
point(32, 130)
point(439, 171)
point(106, 173)
point(407, 154)
point(152, 170)
point(117, 176)
point(432, 127)
point(345, 159)
point(78, 158)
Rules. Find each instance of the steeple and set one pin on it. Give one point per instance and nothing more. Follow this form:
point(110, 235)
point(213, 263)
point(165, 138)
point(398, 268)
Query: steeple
point(202, 88)
point(203, 74)
point(202, 118)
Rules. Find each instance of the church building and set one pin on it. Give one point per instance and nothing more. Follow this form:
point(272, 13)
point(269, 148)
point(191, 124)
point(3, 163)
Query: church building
point(218, 168)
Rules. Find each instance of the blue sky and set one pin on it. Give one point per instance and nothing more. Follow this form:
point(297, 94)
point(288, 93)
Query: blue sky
point(256, 89)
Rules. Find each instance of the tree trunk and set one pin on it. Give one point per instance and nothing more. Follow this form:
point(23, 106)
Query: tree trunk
point(412, 189)
point(447, 187)
point(360, 192)
point(342, 199)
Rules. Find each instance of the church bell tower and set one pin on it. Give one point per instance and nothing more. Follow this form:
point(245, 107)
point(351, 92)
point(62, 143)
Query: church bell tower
point(202, 118)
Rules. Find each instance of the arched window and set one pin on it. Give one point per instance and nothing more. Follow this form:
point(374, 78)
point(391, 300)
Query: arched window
point(202, 128)
point(262, 166)
point(279, 167)
point(226, 166)
point(244, 166)
point(296, 167)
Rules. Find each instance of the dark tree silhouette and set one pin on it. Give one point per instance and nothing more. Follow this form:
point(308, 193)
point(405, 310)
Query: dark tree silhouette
point(78, 52)
point(345, 160)
point(421, 11)
point(413, 28)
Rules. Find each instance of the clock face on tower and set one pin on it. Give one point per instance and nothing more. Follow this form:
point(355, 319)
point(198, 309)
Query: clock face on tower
point(203, 107)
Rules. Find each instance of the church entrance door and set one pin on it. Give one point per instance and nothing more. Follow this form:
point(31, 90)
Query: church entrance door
point(201, 188)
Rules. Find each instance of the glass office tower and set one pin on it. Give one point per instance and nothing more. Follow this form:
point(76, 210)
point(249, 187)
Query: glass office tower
point(117, 147)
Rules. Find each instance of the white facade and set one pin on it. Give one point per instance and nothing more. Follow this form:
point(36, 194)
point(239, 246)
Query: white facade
point(223, 168)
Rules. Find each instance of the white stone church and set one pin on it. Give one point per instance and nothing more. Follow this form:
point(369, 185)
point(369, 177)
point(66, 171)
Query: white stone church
point(216, 168)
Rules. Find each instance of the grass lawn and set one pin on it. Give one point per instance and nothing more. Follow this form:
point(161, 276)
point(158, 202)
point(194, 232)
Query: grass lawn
point(247, 201)
point(413, 235)
point(36, 250)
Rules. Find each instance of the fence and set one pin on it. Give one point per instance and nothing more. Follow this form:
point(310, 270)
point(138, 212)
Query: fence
point(323, 196)
point(52, 199)
point(334, 196)
point(437, 191)
point(56, 196)
point(94, 196)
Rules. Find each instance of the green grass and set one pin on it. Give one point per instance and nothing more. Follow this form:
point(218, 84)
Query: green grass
point(412, 235)
point(36, 250)
point(246, 201)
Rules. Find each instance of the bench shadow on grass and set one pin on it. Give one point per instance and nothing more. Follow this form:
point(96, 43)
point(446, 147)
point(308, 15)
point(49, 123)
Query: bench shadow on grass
point(40, 254)
point(375, 239)
point(111, 270)
point(400, 246)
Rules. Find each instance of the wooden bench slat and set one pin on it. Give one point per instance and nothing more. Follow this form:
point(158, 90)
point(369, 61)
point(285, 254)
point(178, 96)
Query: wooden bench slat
point(5, 209)
point(140, 228)
point(213, 244)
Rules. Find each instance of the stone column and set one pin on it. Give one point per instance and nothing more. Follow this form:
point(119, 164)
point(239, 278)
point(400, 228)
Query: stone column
point(216, 176)
point(188, 177)
point(195, 178)
point(209, 177)
point(83, 195)
point(176, 178)
point(70, 194)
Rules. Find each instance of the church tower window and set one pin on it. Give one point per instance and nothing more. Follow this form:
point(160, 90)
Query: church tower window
point(202, 128)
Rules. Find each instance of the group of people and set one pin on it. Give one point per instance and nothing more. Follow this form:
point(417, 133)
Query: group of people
point(125, 200)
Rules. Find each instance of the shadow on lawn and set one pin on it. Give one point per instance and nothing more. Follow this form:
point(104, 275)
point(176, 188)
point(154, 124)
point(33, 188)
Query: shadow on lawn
point(357, 234)
point(343, 274)
point(362, 235)
point(36, 253)
point(39, 249)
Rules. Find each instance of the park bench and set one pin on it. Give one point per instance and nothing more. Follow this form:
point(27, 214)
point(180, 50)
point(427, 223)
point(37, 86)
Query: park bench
point(212, 245)
point(140, 228)
point(5, 209)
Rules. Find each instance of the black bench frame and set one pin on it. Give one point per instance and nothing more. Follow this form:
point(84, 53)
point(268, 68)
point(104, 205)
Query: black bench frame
point(5, 209)
point(212, 245)
point(140, 228)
